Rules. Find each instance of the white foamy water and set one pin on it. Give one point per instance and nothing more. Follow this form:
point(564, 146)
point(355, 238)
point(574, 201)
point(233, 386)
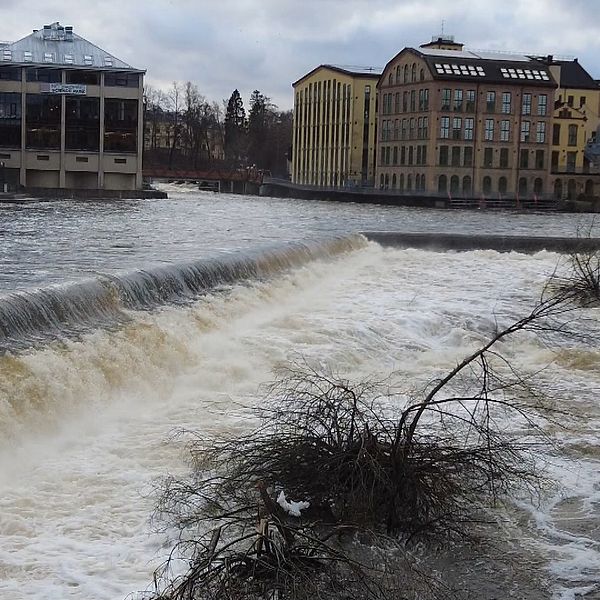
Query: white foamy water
point(87, 424)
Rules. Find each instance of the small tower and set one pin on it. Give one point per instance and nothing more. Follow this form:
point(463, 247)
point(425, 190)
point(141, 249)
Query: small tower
point(443, 41)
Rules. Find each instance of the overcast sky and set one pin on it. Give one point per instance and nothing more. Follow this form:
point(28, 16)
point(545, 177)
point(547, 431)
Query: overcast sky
point(267, 44)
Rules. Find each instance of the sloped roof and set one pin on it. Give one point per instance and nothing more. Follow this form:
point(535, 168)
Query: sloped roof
point(57, 45)
point(485, 67)
point(368, 74)
point(573, 75)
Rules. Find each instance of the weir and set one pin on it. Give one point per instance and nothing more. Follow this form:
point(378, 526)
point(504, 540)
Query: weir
point(500, 243)
point(31, 317)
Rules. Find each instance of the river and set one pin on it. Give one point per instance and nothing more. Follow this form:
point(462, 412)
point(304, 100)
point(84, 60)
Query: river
point(107, 352)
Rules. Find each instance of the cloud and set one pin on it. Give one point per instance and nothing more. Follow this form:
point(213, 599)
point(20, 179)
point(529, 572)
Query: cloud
point(268, 44)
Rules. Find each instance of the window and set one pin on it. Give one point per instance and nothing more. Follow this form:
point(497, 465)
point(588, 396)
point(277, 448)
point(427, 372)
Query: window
point(43, 121)
point(505, 130)
point(554, 160)
point(487, 185)
point(418, 155)
point(46, 75)
point(524, 159)
point(570, 101)
point(467, 156)
point(540, 133)
point(526, 107)
point(48, 57)
point(405, 102)
point(446, 94)
point(412, 129)
point(470, 98)
point(10, 120)
point(490, 102)
point(120, 119)
point(454, 184)
point(467, 185)
point(413, 95)
point(539, 159)
point(488, 157)
point(397, 102)
point(504, 158)
point(10, 74)
point(443, 156)
point(395, 156)
point(506, 103)
point(420, 128)
point(413, 72)
point(82, 123)
point(88, 59)
point(571, 161)
point(582, 101)
point(522, 186)
point(489, 130)
point(425, 127)
point(411, 152)
point(469, 122)
point(425, 99)
point(121, 79)
point(445, 127)
point(404, 128)
point(27, 56)
point(423, 156)
point(398, 74)
point(525, 130)
point(502, 185)
point(542, 105)
point(68, 59)
point(458, 100)
point(538, 186)
point(556, 134)
point(456, 128)
point(572, 135)
point(455, 156)
point(405, 73)
point(442, 184)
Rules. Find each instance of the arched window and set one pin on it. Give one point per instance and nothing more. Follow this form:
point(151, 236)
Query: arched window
point(502, 185)
point(387, 181)
point(487, 185)
point(390, 80)
point(394, 181)
point(398, 74)
point(522, 186)
point(467, 185)
point(401, 182)
point(454, 184)
point(409, 183)
point(381, 182)
point(589, 188)
point(405, 73)
point(442, 184)
point(538, 186)
point(413, 72)
point(423, 186)
point(421, 75)
point(558, 189)
point(571, 189)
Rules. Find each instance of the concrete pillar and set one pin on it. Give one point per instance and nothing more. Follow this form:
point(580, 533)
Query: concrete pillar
point(140, 133)
point(101, 146)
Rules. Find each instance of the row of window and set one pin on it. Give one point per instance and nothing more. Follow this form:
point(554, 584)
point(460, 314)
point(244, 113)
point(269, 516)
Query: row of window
point(82, 122)
point(408, 101)
point(462, 156)
point(397, 183)
point(403, 155)
point(122, 79)
point(460, 100)
point(489, 133)
point(571, 134)
point(406, 74)
point(453, 185)
point(405, 129)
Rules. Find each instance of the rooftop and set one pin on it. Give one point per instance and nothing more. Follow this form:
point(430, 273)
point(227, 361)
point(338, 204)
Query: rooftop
point(59, 45)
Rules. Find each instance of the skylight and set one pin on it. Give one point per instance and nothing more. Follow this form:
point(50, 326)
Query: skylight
point(464, 70)
point(88, 59)
point(108, 61)
point(68, 59)
point(48, 57)
point(6, 54)
point(531, 74)
point(27, 56)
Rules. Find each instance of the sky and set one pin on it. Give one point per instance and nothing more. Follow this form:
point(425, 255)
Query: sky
point(221, 45)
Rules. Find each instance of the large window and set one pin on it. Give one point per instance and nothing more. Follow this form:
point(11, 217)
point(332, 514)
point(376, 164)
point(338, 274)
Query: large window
point(505, 130)
point(468, 156)
point(121, 79)
point(526, 108)
point(120, 125)
point(83, 77)
point(525, 131)
point(45, 75)
point(458, 100)
point(488, 157)
point(490, 102)
point(445, 127)
point(489, 130)
point(446, 93)
point(10, 120)
point(542, 105)
point(470, 97)
point(504, 158)
point(540, 134)
point(572, 135)
point(556, 134)
point(10, 74)
point(469, 123)
point(456, 128)
point(443, 156)
point(455, 156)
point(82, 124)
point(43, 121)
point(506, 103)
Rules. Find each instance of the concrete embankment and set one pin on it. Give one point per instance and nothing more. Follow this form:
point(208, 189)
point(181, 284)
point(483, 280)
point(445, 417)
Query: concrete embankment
point(464, 242)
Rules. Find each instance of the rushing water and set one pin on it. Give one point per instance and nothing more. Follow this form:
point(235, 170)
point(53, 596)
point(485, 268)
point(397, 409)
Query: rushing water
point(158, 315)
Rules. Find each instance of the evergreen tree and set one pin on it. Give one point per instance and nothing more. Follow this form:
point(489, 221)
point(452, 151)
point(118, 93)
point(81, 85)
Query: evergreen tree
point(235, 130)
point(258, 129)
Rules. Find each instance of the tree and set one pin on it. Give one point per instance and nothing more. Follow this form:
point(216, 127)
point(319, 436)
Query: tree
point(258, 129)
point(235, 130)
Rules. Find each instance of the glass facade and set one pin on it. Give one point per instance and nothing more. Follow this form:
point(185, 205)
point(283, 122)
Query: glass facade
point(82, 124)
point(10, 120)
point(120, 125)
point(43, 121)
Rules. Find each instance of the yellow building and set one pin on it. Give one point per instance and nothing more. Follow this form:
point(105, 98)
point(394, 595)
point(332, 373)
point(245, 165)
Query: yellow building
point(575, 121)
point(334, 134)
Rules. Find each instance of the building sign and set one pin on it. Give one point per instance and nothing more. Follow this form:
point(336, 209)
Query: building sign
point(71, 89)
